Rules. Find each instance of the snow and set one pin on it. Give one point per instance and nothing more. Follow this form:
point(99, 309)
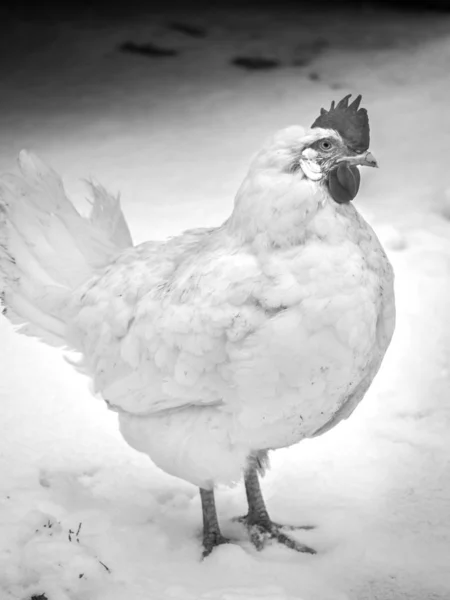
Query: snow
point(83, 516)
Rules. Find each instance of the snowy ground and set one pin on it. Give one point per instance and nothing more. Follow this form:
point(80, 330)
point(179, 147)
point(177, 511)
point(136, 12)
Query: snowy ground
point(84, 517)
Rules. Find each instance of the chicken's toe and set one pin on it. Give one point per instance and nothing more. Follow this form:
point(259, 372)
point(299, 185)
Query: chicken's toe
point(261, 532)
point(211, 541)
point(244, 519)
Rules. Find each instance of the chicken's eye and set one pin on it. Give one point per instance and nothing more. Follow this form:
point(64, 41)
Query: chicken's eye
point(325, 145)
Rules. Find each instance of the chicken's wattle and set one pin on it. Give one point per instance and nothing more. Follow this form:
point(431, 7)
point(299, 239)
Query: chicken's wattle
point(343, 183)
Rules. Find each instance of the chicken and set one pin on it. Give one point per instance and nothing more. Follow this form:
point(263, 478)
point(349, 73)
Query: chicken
point(221, 344)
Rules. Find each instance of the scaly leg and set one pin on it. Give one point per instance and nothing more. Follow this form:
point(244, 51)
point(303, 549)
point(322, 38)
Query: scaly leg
point(212, 536)
point(258, 522)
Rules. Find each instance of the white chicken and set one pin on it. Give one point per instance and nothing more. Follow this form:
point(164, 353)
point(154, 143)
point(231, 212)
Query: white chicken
point(221, 344)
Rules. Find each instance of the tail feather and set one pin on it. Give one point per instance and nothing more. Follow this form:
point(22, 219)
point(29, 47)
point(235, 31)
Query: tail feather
point(107, 216)
point(47, 248)
point(38, 323)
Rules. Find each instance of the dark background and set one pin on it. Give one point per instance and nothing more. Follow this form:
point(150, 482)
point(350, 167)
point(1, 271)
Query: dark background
point(77, 8)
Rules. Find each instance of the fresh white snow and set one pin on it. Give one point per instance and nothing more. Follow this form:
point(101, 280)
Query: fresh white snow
point(83, 516)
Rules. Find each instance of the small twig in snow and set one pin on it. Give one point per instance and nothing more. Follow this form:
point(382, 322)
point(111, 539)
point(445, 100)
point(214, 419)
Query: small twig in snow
point(103, 565)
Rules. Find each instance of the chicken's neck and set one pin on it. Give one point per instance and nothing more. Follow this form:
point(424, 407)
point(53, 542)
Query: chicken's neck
point(275, 210)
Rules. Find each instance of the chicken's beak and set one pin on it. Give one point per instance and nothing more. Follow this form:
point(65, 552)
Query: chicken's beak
point(366, 159)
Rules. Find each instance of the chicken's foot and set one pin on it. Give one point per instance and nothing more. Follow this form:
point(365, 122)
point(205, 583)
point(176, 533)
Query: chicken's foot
point(260, 527)
point(212, 535)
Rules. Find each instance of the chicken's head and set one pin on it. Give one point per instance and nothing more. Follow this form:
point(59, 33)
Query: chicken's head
point(337, 142)
point(328, 153)
point(297, 173)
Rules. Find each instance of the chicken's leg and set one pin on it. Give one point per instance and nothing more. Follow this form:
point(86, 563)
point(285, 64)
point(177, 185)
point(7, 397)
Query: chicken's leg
point(258, 522)
point(212, 536)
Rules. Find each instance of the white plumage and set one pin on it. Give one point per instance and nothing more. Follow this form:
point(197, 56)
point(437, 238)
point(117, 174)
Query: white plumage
point(221, 342)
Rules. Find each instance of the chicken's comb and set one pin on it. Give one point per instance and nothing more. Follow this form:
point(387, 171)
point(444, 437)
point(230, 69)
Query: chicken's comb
point(349, 120)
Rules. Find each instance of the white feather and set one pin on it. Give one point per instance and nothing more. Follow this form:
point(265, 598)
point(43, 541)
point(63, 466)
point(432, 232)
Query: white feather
point(47, 248)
